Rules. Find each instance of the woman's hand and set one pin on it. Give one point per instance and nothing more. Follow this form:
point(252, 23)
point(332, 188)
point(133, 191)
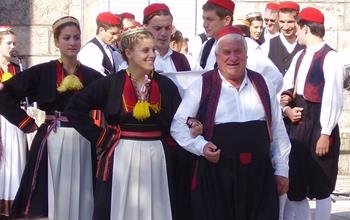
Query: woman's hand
point(285, 99)
point(196, 127)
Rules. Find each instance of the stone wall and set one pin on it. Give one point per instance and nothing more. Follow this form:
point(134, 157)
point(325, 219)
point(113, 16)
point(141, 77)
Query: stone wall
point(32, 21)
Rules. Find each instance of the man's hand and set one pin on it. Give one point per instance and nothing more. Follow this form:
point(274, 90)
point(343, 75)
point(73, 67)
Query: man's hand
point(285, 99)
point(211, 152)
point(322, 145)
point(294, 114)
point(282, 184)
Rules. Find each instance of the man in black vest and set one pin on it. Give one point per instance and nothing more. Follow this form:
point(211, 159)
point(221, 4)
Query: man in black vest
point(282, 48)
point(243, 152)
point(99, 53)
point(216, 14)
point(314, 85)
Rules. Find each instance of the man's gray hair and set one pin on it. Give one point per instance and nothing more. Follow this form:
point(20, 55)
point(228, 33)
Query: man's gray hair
point(233, 37)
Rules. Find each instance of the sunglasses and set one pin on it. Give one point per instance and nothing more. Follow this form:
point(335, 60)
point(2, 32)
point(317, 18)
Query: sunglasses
point(271, 20)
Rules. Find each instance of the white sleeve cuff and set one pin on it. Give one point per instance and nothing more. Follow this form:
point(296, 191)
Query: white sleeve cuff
point(282, 171)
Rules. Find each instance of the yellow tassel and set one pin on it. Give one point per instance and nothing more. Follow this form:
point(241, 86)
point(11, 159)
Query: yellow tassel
point(6, 76)
point(141, 110)
point(70, 83)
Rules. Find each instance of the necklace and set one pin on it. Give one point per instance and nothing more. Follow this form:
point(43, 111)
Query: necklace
point(141, 90)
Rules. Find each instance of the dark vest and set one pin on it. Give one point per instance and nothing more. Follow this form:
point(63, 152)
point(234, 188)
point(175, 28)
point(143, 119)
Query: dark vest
point(314, 83)
point(180, 61)
point(106, 62)
point(206, 51)
point(279, 54)
point(210, 98)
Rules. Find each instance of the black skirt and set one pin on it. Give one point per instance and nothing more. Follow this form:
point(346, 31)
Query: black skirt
point(241, 185)
point(310, 175)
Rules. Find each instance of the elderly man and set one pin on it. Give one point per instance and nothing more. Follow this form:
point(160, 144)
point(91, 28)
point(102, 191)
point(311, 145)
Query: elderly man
point(243, 153)
point(271, 28)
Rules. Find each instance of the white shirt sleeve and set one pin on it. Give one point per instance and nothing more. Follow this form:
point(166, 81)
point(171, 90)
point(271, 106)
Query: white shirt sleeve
point(119, 62)
point(265, 47)
point(332, 99)
point(90, 55)
point(260, 63)
point(188, 108)
point(280, 146)
point(288, 79)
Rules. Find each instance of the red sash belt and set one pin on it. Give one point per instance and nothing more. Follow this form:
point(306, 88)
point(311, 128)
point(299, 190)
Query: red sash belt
point(141, 134)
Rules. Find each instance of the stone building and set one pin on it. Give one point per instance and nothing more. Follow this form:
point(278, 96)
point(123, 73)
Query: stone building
point(32, 21)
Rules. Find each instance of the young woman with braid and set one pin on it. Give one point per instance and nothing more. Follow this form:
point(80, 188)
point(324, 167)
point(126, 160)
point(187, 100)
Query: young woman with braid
point(138, 105)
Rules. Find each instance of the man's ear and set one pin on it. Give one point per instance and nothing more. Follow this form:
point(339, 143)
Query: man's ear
point(100, 29)
point(227, 20)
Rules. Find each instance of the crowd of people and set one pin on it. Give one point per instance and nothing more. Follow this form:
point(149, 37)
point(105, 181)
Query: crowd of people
point(254, 137)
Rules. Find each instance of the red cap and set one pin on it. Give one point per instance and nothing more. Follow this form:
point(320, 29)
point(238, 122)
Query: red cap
point(289, 5)
point(227, 4)
point(312, 14)
point(127, 15)
point(272, 6)
point(228, 30)
point(108, 18)
point(155, 7)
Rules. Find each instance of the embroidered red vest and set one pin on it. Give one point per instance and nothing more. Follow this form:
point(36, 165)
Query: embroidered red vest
point(314, 83)
point(210, 97)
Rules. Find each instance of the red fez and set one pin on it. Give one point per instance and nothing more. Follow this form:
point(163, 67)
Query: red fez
point(272, 6)
point(155, 7)
point(108, 18)
point(227, 4)
point(289, 5)
point(127, 15)
point(228, 30)
point(311, 14)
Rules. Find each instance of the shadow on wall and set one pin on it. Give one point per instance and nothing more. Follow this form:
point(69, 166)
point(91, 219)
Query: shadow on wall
point(17, 14)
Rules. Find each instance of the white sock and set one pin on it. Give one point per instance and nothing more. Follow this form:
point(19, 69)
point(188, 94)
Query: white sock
point(288, 213)
point(301, 209)
point(323, 209)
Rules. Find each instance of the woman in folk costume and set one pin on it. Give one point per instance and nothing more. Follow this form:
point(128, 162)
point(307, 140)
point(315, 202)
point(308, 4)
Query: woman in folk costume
point(138, 105)
point(58, 179)
point(12, 139)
